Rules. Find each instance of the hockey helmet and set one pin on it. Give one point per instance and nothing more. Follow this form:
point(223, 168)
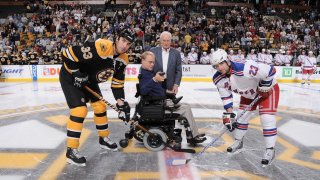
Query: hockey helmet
point(218, 57)
point(127, 34)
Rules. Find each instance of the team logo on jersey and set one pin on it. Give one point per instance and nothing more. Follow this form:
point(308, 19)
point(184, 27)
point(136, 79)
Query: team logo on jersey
point(104, 75)
point(103, 47)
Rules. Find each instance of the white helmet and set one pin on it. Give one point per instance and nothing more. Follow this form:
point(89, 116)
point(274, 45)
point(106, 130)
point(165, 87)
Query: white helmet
point(218, 57)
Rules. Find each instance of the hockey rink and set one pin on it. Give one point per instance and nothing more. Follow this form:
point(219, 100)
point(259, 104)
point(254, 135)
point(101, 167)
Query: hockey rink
point(33, 120)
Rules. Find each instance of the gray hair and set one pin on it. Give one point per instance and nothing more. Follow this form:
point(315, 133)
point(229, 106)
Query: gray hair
point(147, 53)
point(165, 33)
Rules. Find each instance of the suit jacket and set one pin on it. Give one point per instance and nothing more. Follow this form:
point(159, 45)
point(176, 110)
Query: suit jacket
point(174, 69)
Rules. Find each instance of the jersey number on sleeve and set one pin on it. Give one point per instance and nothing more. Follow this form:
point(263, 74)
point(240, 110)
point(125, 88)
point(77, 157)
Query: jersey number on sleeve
point(86, 52)
point(253, 70)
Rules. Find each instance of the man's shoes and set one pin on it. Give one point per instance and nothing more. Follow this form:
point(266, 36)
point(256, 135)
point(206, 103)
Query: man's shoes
point(75, 158)
point(268, 156)
point(177, 135)
point(237, 144)
point(107, 143)
point(196, 140)
point(177, 100)
point(173, 97)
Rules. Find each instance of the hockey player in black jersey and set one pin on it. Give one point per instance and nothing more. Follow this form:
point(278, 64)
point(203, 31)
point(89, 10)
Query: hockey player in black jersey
point(89, 65)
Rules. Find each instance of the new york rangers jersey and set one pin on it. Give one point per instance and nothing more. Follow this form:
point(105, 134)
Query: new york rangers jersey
point(308, 63)
point(244, 78)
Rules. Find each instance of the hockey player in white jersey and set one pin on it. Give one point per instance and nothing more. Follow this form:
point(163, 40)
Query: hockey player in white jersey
point(252, 56)
point(287, 58)
point(308, 66)
point(192, 57)
point(261, 56)
point(301, 58)
point(268, 59)
point(205, 59)
point(249, 79)
point(183, 56)
point(240, 56)
point(232, 56)
point(279, 58)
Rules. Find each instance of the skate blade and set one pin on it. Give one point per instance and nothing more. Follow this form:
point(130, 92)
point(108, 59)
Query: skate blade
point(105, 147)
point(76, 164)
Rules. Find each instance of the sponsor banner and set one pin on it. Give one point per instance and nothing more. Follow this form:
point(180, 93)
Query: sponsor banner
point(294, 73)
point(48, 71)
point(189, 72)
point(197, 71)
point(132, 70)
point(16, 71)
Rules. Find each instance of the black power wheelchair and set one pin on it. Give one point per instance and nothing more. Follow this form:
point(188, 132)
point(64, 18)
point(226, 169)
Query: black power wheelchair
point(156, 124)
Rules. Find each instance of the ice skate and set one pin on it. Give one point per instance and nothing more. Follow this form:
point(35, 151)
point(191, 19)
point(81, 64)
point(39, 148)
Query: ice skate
point(268, 157)
point(75, 158)
point(237, 144)
point(107, 143)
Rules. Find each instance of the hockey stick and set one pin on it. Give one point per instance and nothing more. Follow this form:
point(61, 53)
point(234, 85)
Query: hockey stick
point(177, 162)
point(135, 123)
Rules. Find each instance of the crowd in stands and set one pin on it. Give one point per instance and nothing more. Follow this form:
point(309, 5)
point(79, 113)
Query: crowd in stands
point(39, 36)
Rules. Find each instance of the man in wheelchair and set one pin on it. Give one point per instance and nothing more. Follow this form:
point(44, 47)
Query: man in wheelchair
point(152, 92)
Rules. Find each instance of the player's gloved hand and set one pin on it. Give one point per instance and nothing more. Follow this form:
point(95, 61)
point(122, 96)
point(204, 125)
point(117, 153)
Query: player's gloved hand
point(265, 91)
point(314, 69)
point(229, 120)
point(80, 79)
point(124, 113)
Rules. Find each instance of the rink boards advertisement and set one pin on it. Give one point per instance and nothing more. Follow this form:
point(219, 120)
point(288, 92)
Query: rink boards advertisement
point(189, 73)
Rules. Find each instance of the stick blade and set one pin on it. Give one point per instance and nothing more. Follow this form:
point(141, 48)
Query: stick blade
point(178, 162)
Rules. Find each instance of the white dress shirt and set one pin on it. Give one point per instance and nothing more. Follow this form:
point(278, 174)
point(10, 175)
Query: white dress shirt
point(165, 59)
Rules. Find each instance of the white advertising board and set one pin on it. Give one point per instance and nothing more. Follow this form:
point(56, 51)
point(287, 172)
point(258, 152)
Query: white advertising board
point(189, 73)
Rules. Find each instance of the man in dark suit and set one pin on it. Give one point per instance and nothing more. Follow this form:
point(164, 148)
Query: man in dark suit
point(150, 85)
point(168, 60)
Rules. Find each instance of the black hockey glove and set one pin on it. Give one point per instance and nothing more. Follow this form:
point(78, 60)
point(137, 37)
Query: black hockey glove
point(124, 113)
point(80, 79)
point(229, 121)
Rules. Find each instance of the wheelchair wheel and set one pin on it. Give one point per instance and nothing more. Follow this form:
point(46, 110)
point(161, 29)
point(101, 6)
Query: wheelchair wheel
point(154, 143)
point(138, 134)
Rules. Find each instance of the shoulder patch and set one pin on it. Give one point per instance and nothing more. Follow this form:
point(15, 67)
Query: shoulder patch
point(237, 68)
point(104, 48)
point(217, 77)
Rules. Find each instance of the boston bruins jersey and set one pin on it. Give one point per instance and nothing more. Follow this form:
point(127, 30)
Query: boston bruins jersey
point(56, 57)
point(98, 61)
point(3, 60)
point(33, 57)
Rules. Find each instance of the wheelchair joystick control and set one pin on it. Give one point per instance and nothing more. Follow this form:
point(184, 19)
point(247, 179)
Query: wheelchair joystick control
point(162, 73)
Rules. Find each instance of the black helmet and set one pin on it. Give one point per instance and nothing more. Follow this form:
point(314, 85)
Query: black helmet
point(129, 35)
